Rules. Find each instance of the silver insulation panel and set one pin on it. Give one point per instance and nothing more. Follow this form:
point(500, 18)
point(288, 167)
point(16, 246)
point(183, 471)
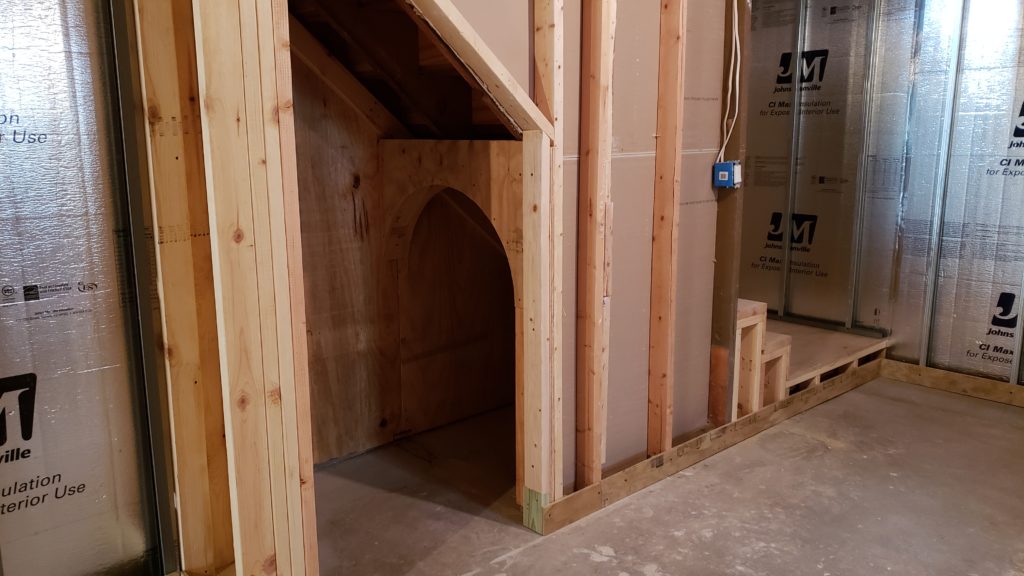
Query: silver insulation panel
point(72, 499)
point(829, 72)
point(909, 172)
point(981, 257)
point(774, 28)
point(929, 117)
point(883, 167)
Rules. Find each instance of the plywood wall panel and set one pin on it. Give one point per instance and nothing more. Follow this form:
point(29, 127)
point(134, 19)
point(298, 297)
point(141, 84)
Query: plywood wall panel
point(354, 369)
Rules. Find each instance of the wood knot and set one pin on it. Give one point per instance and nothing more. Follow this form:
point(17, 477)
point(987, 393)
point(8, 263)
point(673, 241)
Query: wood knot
point(238, 236)
point(274, 395)
point(270, 564)
point(243, 401)
point(153, 114)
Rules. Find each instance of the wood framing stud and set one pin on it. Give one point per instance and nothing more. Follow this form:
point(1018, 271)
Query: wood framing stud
point(540, 395)
point(549, 94)
point(244, 75)
point(593, 282)
point(665, 229)
point(166, 41)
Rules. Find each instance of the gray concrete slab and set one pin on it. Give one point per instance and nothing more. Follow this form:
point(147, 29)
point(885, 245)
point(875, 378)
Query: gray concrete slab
point(888, 479)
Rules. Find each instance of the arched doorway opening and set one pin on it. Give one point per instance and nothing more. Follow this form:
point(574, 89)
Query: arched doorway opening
point(457, 319)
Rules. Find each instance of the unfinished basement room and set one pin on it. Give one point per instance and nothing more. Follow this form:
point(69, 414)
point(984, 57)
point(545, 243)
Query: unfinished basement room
point(511, 287)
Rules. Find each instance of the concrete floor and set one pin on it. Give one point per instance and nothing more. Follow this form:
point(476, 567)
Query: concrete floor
point(888, 479)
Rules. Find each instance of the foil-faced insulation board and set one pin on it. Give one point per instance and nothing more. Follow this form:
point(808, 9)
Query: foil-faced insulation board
point(72, 491)
point(981, 257)
point(828, 70)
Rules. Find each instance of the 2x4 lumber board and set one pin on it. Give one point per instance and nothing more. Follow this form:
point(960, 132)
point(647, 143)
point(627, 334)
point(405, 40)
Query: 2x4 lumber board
point(593, 282)
point(290, 278)
point(542, 465)
point(456, 32)
point(750, 312)
point(749, 365)
point(665, 230)
point(334, 74)
point(167, 59)
point(549, 94)
point(548, 57)
point(965, 384)
point(658, 467)
point(244, 80)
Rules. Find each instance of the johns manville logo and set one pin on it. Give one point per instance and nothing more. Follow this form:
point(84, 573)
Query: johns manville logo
point(1018, 126)
point(812, 64)
point(17, 395)
point(801, 233)
point(1005, 314)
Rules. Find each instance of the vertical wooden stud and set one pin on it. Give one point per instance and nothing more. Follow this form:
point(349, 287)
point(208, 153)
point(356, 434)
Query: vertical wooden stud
point(244, 81)
point(540, 466)
point(664, 251)
point(593, 286)
point(167, 58)
point(549, 94)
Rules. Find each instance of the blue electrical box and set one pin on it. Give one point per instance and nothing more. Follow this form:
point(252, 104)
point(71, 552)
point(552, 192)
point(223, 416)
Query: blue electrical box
point(727, 174)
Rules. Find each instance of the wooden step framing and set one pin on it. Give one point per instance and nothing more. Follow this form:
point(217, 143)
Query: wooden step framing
point(751, 326)
point(775, 367)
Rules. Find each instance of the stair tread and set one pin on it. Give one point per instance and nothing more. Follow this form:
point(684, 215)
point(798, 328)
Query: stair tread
point(748, 308)
point(774, 342)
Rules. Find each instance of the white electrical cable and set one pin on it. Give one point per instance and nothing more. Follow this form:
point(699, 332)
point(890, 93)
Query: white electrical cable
point(734, 80)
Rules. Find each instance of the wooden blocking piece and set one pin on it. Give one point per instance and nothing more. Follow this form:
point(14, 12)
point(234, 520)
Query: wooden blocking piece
point(751, 325)
point(775, 369)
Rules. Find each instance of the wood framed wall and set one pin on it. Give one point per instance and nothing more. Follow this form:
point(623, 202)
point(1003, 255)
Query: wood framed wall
point(227, 202)
point(222, 151)
point(222, 165)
